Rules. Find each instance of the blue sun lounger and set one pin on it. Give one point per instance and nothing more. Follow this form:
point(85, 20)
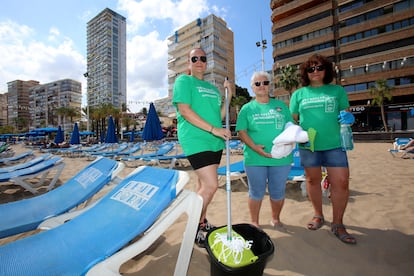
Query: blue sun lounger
point(237, 172)
point(27, 164)
point(103, 237)
point(41, 170)
point(16, 158)
point(25, 215)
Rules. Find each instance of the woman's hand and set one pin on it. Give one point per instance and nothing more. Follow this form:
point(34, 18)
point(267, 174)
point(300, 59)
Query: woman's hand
point(221, 132)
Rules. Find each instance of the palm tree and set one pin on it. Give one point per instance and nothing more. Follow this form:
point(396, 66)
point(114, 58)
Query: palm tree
point(289, 78)
point(381, 92)
point(241, 97)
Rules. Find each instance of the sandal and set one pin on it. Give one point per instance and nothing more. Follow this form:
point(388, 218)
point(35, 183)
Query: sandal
point(316, 223)
point(206, 226)
point(345, 237)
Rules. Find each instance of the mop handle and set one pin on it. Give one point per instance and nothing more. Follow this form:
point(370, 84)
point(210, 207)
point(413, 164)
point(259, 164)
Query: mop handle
point(228, 181)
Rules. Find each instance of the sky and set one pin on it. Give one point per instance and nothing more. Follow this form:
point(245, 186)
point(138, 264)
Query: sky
point(45, 40)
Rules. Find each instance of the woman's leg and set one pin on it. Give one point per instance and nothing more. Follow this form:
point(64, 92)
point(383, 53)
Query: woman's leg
point(207, 186)
point(257, 178)
point(313, 186)
point(339, 180)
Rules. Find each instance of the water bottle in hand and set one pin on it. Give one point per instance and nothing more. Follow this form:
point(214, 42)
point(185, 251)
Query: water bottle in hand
point(346, 137)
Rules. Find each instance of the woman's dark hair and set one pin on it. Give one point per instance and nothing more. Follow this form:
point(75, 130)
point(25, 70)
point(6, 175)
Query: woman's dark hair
point(313, 60)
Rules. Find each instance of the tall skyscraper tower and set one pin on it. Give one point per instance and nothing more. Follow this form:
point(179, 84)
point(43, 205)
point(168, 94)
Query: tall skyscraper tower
point(212, 35)
point(106, 59)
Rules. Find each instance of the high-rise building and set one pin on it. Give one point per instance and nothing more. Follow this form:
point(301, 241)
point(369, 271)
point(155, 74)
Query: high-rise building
point(3, 109)
point(106, 59)
point(212, 35)
point(18, 107)
point(49, 101)
point(367, 40)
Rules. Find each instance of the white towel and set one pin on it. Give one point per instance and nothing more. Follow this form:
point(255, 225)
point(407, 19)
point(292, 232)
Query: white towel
point(285, 142)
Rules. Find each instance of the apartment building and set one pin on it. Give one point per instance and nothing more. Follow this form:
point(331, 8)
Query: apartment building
point(366, 39)
point(3, 109)
point(106, 59)
point(46, 100)
point(18, 106)
point(215, 38)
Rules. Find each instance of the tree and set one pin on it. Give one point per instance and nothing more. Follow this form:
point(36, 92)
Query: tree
point(241, 97)
point(381, 92)
point(289, 78)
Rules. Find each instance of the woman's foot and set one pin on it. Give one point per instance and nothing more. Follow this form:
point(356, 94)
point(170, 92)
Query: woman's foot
point(276, 223)
point(316, 223)
point(340, 232)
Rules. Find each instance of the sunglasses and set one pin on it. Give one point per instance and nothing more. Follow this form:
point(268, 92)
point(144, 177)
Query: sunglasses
point(258, 83)
point(194, 59)
point(313, 68)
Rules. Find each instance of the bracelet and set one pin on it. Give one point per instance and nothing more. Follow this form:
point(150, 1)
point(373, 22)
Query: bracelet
point(211, 130)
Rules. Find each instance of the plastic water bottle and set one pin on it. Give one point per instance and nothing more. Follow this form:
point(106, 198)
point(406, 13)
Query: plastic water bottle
point(347, 140)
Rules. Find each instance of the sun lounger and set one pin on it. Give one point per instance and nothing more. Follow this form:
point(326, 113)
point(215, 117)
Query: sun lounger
point(404, 154)
point(120, 148)
point(237, 172)
point(297, 172)
point(24, 177)
point(16, 158)
point(163, 149)
point(171, 160)
point(100, 239)
point(25, 215)
point(26, 164)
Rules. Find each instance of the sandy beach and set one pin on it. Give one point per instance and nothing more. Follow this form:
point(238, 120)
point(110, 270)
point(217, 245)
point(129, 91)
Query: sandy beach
point(379, 215)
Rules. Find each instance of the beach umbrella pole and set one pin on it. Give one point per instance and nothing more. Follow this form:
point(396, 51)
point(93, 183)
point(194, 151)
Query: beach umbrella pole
point(228, 180)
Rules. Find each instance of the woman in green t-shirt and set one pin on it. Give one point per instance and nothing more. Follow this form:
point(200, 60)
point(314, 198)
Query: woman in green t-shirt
point(318, 104)
point(200, 113)
point(258, 123)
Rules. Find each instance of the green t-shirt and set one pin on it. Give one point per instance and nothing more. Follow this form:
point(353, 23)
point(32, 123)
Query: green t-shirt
point(205, 99)
point(263, 122)
point(318, 108)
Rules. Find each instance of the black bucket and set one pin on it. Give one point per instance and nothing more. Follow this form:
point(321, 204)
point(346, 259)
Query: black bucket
point(262, 247)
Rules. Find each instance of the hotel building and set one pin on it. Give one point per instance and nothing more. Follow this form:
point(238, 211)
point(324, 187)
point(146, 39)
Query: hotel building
point(367, 40)
point(46, 99)
point(106, 59)
point(212, 35)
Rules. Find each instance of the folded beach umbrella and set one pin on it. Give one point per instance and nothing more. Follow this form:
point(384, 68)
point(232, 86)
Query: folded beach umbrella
point(110, 134)
point(75, 137)
point(60, 137)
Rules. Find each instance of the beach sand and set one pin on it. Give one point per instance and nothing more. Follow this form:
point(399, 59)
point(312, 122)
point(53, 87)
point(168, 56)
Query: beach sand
point(379, 215)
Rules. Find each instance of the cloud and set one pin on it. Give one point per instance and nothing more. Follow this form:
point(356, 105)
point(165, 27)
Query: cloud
point(149, 23)
point(23, 57)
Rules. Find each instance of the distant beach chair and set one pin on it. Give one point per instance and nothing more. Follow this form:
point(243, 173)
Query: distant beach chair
point(403, 154)
point(25, 177)
point(400, 142)
point(236, 146)
point(17, 158)
point(170, 160)
point(297, 172)
point(398, 151)
point(161, 150)
point(101, 239)
point(237, 172)
point(25, 215)
point(26, 164)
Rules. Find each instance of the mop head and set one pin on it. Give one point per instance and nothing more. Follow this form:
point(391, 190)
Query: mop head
point(232, 252)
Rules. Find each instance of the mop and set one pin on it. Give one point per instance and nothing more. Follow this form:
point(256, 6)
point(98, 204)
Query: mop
point(227, 246)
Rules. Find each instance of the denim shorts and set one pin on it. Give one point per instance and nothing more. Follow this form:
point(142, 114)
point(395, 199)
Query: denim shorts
point(327, 158)
point(274, 176)
point(204, 159)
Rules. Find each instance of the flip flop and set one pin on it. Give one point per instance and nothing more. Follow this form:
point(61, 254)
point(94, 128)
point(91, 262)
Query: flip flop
point(314, 225)
point(345, 238)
